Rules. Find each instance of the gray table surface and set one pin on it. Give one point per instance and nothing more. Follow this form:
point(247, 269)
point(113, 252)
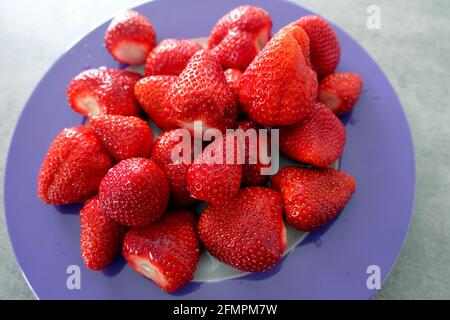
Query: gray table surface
point(412, 47)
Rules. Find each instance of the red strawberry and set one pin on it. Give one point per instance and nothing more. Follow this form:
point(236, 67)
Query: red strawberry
point(213, 177)
point(166, 251)
point(124, 137)
point(239, 35)
point(135, 192)
point(170, 57)
point(325, 50)
point(73, 167)
point(151, 93)
point(130, 37)
point(175, 171)
point(248, 232)
point(104, 91)
point(278, 88)
point(319, 140)
point(202, 94)
point(313, 197)
point(233, 76)
point(101, 236)
point(251, 172)
point(341, 91)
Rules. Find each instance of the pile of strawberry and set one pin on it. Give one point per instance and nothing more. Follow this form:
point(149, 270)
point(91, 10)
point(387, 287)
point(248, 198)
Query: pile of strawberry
point(139, 202)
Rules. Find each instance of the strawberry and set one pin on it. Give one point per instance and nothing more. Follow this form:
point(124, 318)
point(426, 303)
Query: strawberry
point(74, 165)
point(101, 236)
point(233, 77)
point(104, 91)
point(340, 91)
point(239, 35)
point(170, 57)
point(313, 197)
point(166, 252)
point(213, 177)
point(175, 171)
point(130, 37)
point(124, 137)
point(325, 50)
point(247, 232)
point(279, 88)
point(251, 172)
point(319, 140)
point(135, 192)
point(151, 93)
point(202, 94)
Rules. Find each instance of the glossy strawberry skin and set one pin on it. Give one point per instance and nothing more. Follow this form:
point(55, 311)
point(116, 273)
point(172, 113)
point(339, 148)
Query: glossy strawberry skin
point(175, 171)
point(130, 37)
point(251, 172)
point(239, 35)
point(313, 196)
point(151, 93)
point(101, 236)
point(169, 247)
point(247, 232)
point(170, 57)
point(124, 137)
point(278, 88)
point(233, 77)
point(73, 167)
point(340, 91)
point(325, 50)
point(319, 140)
point(211, 177)
point(135, 192)
point(201, 93)
point(104, 91)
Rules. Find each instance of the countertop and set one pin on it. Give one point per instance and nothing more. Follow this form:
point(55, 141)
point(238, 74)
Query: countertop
point(412, 47)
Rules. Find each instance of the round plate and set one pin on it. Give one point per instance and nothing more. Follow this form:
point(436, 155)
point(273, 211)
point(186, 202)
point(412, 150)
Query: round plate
point(330, 263)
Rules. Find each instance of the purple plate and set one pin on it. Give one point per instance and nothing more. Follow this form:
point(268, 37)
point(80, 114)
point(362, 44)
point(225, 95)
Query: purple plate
point(329, 264)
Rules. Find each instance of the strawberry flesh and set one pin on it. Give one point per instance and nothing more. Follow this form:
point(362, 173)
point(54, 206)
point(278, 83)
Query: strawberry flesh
point(130, 37)
point(166, 252)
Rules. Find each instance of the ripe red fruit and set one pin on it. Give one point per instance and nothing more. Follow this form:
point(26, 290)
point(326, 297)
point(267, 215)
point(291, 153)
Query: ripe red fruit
point(325, 50)
point(130, 37)
point(239, 35)
point(313, 197)
point(341, 91)
point(175, 171)
point(247, 232)
point(167, 251)
point(170, 57)
point(135, 192)
point(251, 172)
point(202, 94)
point(151, 93)
point(104, 91)
point(318, 140)
point(279, 88)
point(124, 137)
point(101, 236)
point(74, 165)
point(211, 177)
point(233, 76)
